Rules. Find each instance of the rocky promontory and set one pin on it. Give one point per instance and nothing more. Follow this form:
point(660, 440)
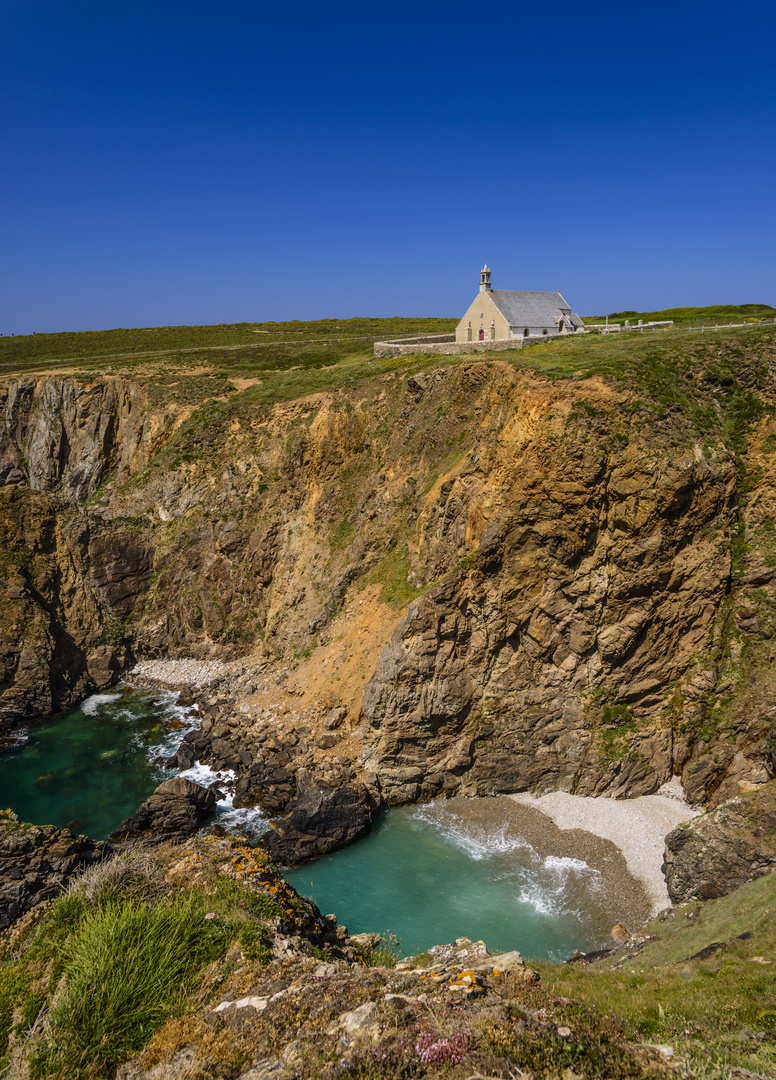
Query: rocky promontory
point(37, 862)
point(320, 820)
point(176, 810)
point(267, 988)
point(720, 851)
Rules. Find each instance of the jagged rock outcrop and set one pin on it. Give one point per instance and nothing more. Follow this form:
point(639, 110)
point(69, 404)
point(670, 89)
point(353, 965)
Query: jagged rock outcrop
point(37, 862)
point(593, 572)
point(718, 852)
point(176, 810)
point(321, 819)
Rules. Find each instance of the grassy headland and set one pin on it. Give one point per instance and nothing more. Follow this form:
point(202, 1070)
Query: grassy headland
point(261, 339)
point(685, 316)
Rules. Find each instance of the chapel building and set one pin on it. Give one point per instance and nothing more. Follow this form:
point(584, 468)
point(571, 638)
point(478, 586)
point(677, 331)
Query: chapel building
point(497, 314)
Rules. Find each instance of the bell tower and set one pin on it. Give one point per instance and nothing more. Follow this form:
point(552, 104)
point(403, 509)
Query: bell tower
point(485, 279)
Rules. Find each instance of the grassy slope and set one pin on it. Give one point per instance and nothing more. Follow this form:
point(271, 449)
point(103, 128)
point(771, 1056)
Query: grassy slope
point(716, 1011)
point(664, 371)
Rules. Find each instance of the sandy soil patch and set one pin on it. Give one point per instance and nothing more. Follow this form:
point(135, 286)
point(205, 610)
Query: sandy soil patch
point(243, 384)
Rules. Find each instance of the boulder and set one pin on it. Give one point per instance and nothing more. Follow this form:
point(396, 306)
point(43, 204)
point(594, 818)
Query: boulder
point(321, 819)
point(104, 666)
point(719, 851)
point(334, 718)
point(176, 810)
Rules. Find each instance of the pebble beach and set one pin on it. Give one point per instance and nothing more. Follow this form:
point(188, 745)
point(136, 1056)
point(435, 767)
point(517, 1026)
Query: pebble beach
point(637, 827)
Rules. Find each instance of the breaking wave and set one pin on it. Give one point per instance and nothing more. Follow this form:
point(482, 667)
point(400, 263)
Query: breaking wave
point(96, 701)
point(551, 885)
point(248, 821)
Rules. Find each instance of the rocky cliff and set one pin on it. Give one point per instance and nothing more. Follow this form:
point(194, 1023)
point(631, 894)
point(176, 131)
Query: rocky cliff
point(504, 580)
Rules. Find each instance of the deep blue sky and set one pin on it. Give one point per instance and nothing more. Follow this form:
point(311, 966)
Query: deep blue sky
point(201, 162)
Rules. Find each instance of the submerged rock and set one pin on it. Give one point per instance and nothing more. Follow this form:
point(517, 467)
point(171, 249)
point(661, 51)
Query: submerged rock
point(176, 810)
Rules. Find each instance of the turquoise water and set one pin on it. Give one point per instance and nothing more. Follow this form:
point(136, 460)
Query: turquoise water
point(427, 874)
point(91, 767)
point(431, 874)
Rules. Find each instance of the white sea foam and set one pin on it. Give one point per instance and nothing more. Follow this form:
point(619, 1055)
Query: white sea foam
point(538, 898)
point(173, 737)
point(202, 774)
point(250, 821)
point(247, 820)
point(548, 884)
point(477, 841)
point(93, 703)
point(564, 865)
point(17, 737)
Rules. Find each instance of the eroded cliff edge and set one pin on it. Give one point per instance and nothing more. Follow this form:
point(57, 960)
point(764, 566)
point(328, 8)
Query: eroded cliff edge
point(507, 580)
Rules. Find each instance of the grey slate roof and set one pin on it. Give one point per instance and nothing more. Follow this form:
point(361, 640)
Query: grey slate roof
point(533, 308)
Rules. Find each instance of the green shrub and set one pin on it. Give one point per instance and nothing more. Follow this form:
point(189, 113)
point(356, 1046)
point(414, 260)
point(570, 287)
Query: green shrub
point(125, 970)
point(386, 954)
point(253, 940)
point(261, 905)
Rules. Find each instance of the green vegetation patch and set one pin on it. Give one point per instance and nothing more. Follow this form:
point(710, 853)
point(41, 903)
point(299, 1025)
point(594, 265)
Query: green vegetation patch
point(119, 954)
point(125, 969)
point(698, 315)
point(30, 351)
point(715, 1011)
point(392, 574)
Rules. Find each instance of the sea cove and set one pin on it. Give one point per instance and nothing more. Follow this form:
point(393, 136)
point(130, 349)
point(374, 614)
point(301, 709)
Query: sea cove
point(425, 873)
point(89, 768)
point(466, 867)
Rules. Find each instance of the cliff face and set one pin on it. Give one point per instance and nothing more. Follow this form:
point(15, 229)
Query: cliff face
point(67, 436)
point(71, 575)
point(544, 663)
point(67, 582)
point(507, 581)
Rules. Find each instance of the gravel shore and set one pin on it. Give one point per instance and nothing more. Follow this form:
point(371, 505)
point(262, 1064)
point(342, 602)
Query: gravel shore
point(186, 672)
point(638, 827)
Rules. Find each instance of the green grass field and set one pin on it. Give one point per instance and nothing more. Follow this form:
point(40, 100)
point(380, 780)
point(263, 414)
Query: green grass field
point(34, 349)
point(684, 316)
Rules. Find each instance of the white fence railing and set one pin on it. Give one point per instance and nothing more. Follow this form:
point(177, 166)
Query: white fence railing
point(749, 324)
point(725, 326)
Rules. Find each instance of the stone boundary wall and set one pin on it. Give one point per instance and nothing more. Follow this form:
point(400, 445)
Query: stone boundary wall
point(445, 345)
